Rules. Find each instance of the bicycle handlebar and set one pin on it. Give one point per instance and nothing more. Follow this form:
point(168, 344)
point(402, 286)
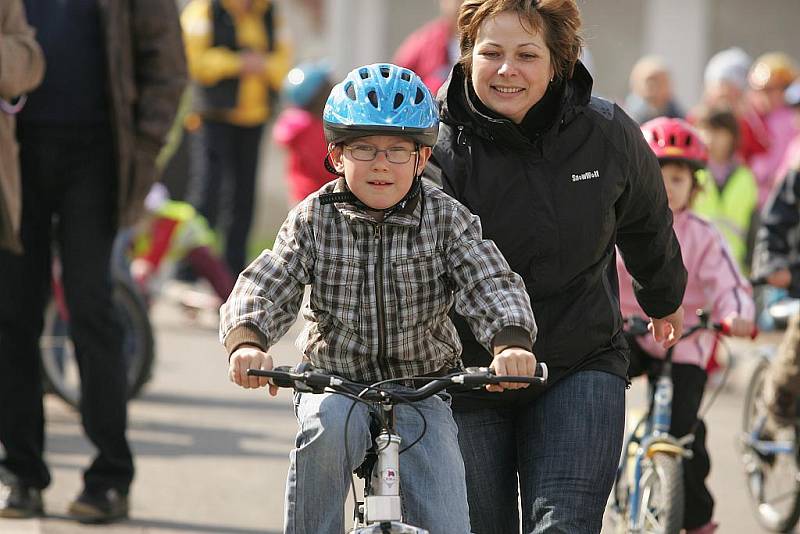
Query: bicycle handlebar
point(637, 326)
point(310, 380)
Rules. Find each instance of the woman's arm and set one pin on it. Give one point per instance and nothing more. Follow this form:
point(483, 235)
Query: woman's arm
point(644, 229)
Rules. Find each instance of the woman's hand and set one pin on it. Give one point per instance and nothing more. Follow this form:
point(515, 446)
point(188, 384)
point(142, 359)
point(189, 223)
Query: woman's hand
point(739, 326)
point(250, 357)
point(512, 361)
point(668, 330)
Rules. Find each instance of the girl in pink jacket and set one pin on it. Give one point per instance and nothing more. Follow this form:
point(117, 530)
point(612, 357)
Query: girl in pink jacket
point(714, 284)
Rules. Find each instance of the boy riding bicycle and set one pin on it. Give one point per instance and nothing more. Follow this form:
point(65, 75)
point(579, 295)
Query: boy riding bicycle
point(714, 283)
point(386, 257)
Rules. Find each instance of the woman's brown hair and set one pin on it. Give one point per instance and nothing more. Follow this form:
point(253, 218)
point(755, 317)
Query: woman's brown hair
point(559, 21)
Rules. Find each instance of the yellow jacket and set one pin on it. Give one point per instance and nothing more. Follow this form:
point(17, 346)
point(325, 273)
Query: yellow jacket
point(216, 64)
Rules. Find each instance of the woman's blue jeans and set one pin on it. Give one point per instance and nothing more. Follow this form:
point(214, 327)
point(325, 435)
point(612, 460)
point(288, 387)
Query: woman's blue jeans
point(434, 494)
point(564, 447)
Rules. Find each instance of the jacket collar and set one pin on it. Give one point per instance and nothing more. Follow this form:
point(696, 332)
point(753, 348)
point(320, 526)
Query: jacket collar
point(408, 214)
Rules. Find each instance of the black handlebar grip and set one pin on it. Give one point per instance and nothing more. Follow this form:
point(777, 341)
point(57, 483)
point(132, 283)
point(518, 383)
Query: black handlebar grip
point(279, 376)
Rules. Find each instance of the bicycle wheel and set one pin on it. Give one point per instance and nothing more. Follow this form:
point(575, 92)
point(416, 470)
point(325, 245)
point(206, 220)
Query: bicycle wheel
point(60, 367)
point(772, 478)
point(662, 496)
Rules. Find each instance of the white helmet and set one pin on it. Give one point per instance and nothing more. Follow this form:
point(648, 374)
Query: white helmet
point(730, 65)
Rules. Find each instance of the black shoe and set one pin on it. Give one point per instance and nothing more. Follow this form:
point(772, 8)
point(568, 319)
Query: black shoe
point(18, 501)
point(104, 507)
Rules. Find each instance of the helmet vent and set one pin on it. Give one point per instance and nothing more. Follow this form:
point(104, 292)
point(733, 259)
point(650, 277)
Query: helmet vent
point(398, 100)
point(419, 97)
point(384, 72)
point(364, 73)
point(672, 141)
point(350, 91)
point(406, 76)
point(373, 99)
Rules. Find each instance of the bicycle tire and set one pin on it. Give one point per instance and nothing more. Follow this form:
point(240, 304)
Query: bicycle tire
point(59, 366)
point(760, 470)
point(662, 495)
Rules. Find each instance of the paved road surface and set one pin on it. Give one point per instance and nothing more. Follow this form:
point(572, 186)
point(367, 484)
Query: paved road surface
point(211, 458)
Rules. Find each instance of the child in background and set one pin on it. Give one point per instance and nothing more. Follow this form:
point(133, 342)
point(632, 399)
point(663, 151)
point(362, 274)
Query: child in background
point(714, 284)
point(386, 257)
point(173, 231)
point(299, 128)
point(728, 195)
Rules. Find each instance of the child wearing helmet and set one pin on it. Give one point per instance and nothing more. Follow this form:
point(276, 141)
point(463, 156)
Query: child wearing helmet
point(714, 284)
point(299, 128)
point(385, 256)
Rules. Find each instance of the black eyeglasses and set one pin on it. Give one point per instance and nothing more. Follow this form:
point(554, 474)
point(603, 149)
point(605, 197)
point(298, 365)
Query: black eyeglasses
point(396, 155)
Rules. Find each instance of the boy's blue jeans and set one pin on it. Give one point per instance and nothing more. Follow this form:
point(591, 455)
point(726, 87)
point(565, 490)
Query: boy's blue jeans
point(563, 446)
point(433, 488)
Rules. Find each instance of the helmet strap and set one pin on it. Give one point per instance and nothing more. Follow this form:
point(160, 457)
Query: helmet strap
point(329, 166)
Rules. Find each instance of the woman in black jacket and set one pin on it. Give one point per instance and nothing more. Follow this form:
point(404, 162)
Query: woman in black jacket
point(558, 178)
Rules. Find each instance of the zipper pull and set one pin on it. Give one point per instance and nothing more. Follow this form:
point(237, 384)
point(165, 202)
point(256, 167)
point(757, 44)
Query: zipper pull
point(460, 138)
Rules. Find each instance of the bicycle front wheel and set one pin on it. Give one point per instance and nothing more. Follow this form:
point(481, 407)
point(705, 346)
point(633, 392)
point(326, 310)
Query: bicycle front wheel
point(772, 472)
point(662, 495)
point(59, 364)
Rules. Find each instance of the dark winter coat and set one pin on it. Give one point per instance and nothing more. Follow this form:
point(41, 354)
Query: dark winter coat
point(556, 204)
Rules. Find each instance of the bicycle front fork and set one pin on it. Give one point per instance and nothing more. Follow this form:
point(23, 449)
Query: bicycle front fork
point(382, 509)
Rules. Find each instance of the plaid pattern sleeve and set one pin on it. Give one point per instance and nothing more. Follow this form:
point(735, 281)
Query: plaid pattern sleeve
point(268, 293)
point(490, 295)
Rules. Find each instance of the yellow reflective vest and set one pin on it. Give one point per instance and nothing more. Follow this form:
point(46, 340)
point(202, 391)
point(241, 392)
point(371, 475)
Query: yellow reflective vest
point(730, 209)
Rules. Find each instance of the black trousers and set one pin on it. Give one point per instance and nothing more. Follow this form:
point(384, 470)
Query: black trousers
point(68, 176)
point(689, 383)
point(223, 189)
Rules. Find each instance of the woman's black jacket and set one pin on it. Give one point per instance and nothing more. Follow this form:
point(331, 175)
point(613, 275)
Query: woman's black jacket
point(556, 205)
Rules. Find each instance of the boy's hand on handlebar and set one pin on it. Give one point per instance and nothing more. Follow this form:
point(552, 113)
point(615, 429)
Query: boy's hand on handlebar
point(512, 361)
point(250, 357)
point(739, 326)
point(668, 330)
point(781, 278)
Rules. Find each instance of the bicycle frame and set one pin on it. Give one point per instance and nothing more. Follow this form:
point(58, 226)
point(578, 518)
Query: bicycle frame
point(651, 436)
point(656, 438)
point(381, 508)
point(766, 447)
point(381, 511)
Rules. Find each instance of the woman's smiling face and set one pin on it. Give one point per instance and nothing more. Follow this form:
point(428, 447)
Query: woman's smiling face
point(511, 66)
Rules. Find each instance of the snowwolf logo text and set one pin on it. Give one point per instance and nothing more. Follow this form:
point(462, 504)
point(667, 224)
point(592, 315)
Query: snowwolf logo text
point(585, 176)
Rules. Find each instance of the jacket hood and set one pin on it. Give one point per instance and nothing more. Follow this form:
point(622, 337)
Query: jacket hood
point(456, 109)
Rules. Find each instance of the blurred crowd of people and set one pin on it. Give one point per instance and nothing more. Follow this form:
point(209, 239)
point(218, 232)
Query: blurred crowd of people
point(109, 87)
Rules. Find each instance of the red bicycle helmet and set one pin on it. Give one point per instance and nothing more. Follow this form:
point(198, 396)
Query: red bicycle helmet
point(675, 140)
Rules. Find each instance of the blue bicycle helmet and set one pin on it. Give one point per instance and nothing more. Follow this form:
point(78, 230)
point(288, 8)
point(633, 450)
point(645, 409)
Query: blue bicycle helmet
point(304, 81)
point(381, 99)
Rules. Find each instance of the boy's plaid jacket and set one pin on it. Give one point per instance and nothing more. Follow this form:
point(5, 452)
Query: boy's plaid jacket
point(380, 291)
